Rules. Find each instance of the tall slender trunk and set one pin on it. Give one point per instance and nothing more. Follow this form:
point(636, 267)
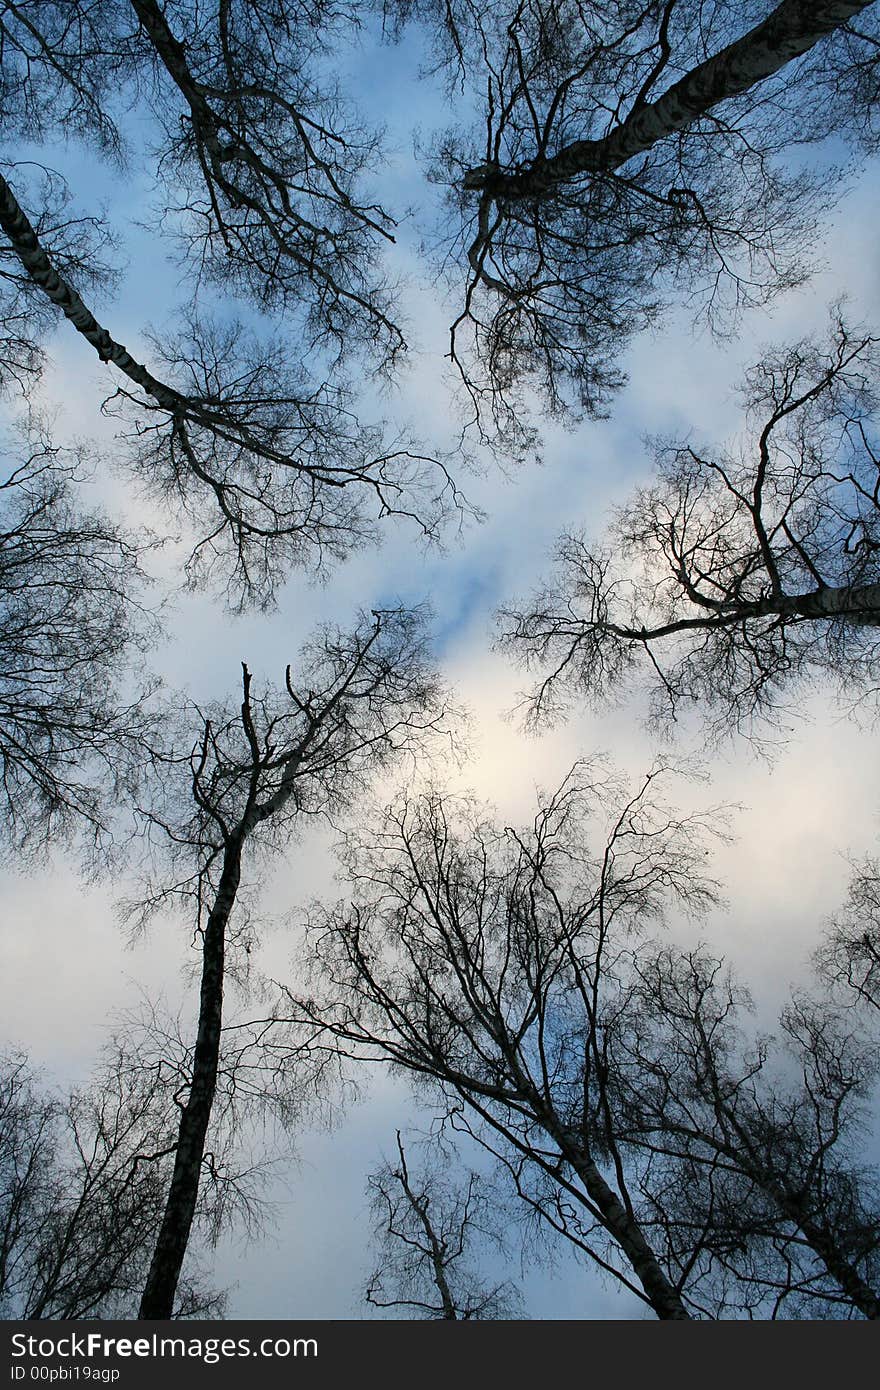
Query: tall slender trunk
point(789, 32)
point(161, 1286)
point(438, 1264)
point(438, 1270)
point(173, 55)
point(793, 1204)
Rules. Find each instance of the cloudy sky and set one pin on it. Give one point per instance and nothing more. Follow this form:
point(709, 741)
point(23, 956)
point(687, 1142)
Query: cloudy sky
point(66, 965)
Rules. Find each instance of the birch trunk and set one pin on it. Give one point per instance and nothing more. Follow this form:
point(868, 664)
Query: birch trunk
point(789, 32)
point(851, 1282)
point(663, 1298)
point(841, 1269)
point(857, 605)
point(26, 245)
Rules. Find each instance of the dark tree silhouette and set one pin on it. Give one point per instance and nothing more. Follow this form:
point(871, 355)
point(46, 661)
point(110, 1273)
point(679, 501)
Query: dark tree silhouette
point(849, 956)
point(426, 1226)
point(623, 156)
point(487, 962)
point(238, 432)
point(262, 161)
point(75, 724)
point(741, 575)
point(354, 702)
point(711, 1173)
point(82, 1179)
point(260, 154)
point(759, 1155)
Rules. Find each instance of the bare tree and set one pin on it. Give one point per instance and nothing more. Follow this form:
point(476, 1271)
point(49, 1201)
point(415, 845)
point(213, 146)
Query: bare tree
point(624, 154)
point(260, 153)
point(712, 1173)
point(262, 161)
point(81, 249)
point(66, 66)
point(74, 712)
point(842, 80)
point(849, 955)
point(741, 575)
point(489, 963)
point(81, 1185)
point(357, 700)
point(759, 1153)
point(426, 1227)
point(237, 431)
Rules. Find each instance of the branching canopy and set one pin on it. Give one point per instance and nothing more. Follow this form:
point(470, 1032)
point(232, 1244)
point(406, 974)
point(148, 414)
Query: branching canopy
point(74, 726)
point(624, 156)
point(741, 574)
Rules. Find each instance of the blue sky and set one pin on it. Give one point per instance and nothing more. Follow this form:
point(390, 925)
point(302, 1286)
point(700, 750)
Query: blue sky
point(800, 816)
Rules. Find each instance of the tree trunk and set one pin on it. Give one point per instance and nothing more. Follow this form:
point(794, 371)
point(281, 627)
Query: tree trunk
point(851, 1282)
point(857, 605)
point(161, 1286)
point(663, 1298)
point(824, 1246)
point(841, 1269)
point(26, 245)
point(173, 54)
point(790, 31)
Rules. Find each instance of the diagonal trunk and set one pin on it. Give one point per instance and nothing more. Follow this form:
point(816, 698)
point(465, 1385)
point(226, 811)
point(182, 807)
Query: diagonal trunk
point(161, 1286)
point(27, 247)
point(663, 1298)
point(792, 1206)
point(173, 55)
point(839, 1267)
point(822, 1242)
point(789, 32)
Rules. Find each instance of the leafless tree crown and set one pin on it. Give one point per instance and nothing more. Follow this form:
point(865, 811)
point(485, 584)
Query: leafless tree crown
point(426, 1227)
point(75, 726)
point(612, 1078)
point(741, 575)
point(624, 156)
point(261, 162)
point(355, 702)
point(82, 1178)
